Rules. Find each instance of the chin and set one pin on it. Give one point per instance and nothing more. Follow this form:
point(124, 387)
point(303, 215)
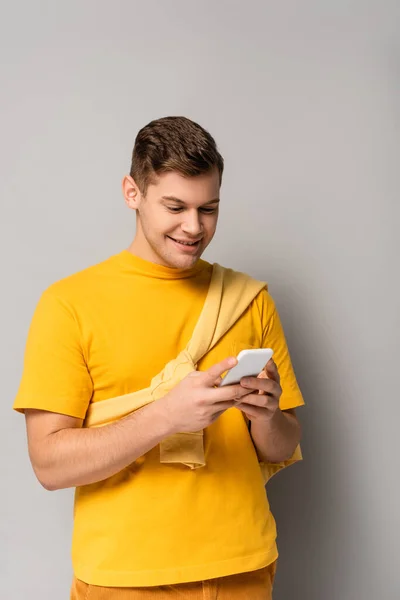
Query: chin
point(177, 260)
point(184, 262)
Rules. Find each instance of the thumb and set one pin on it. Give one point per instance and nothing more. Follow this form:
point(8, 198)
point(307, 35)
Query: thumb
point(213, 374)
point(272, 371)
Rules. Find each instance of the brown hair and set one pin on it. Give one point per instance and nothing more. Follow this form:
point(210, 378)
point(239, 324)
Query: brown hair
point(173, 144)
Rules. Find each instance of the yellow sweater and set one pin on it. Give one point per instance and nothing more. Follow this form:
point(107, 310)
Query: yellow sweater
point(104, 333)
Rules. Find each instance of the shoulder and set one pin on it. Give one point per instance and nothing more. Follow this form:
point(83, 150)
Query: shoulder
point(79, 288)
point(85, 276)
point(265, 305)
point(232, 275)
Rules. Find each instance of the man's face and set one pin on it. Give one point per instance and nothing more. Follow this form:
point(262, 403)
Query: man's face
point(177, 218)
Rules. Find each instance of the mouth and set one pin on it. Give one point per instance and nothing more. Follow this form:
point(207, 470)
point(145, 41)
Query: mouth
point(185, 245)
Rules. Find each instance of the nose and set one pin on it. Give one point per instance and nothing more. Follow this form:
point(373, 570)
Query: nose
point(192, 224)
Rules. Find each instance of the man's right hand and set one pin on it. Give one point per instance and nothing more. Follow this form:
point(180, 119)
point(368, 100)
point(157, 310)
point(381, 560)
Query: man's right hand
point(64, 454)
point(195, 402)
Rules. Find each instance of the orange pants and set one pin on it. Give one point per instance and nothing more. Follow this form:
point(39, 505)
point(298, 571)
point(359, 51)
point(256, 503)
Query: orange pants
point(256, 585)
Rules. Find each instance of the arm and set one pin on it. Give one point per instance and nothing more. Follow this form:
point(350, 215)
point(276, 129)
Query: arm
point(275, 433)
point(63, 454)
point(276, 439)
point(54, 394)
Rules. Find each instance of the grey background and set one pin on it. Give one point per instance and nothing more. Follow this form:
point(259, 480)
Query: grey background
point(302, 98)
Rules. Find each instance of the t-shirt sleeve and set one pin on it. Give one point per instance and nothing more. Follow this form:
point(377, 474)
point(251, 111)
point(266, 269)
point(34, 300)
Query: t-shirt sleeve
point(55, 375)
point(274, 337)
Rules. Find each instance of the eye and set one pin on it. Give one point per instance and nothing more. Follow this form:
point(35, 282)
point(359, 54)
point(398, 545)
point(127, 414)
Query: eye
point(208, 211)
point(175, 209)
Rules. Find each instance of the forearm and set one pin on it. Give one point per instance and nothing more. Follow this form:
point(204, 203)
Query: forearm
point(79, 456)
point(276, 439)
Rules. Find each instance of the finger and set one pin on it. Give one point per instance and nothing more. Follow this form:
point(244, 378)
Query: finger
point(229, 392)
point(272, 370)
point(214, 373)
point(252, 412)
point(262, 401)
point(267, 386)
point(263, 375)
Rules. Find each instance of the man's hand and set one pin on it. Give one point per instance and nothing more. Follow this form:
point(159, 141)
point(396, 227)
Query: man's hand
point(195, 402)
point(275, 433)
point(64, 454)
point(262, 402)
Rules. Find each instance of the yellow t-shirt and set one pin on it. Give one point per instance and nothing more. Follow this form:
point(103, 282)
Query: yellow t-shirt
point(107, 331)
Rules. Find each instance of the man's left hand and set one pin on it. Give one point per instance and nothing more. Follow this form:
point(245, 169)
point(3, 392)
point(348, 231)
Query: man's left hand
point(263, 403)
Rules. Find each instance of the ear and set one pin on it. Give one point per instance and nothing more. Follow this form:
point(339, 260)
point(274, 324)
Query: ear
point(131, 192)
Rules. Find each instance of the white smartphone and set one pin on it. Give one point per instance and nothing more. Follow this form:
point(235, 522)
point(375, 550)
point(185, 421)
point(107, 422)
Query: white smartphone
point(250, 364)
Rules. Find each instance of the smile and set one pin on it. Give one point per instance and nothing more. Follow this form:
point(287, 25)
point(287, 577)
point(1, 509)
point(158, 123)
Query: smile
point(184, 243)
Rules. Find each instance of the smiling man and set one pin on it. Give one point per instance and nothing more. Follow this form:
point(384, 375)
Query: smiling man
point(121, 397)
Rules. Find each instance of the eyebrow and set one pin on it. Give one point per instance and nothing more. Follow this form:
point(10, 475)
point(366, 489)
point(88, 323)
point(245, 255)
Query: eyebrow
point(179, 201)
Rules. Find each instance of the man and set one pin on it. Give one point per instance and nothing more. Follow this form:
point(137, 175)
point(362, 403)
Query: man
point(121, 397)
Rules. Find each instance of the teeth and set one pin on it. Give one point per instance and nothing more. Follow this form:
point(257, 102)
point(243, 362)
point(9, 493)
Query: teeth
point(186, 243)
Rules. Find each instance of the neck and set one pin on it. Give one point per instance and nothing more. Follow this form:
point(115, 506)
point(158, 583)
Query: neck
point(142, 250)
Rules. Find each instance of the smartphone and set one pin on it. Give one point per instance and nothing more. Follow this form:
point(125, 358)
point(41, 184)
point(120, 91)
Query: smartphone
point(250, 364)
